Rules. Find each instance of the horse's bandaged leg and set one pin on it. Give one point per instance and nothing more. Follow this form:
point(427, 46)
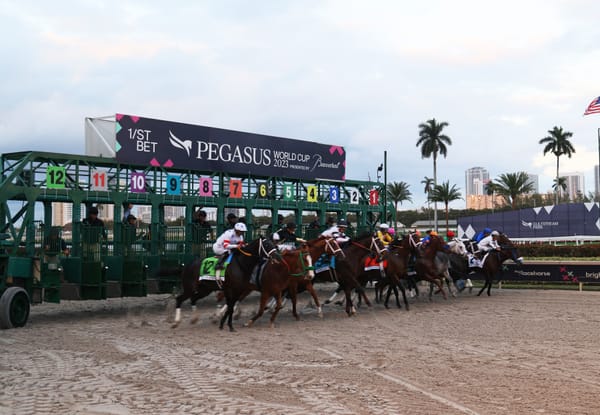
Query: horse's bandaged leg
point(195, 314)
point(177, 315)
point(311, 273)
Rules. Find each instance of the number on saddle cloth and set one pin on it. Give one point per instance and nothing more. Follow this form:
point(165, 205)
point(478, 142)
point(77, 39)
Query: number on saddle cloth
point(324, 263)
point(207, 268)
point(373, 264)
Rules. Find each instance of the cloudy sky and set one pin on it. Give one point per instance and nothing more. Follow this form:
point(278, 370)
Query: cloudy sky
point(362, 74)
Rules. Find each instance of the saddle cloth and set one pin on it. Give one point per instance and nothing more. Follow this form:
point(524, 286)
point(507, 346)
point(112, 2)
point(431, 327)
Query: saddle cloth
point(208, 271)
point(324, 263)
point(373, 264)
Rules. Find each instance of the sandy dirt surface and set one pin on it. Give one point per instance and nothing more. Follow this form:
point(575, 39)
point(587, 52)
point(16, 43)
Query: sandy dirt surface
point(518, 352)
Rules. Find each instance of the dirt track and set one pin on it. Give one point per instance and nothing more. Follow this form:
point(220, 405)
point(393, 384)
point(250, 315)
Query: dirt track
point(518, 352)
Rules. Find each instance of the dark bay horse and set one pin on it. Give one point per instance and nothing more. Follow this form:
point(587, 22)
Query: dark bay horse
point(492, 261)
point(349, 269)
point(426, 266)
point(195, 289)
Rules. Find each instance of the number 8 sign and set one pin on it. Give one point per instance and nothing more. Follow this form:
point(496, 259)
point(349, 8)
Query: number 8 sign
point(206, 187)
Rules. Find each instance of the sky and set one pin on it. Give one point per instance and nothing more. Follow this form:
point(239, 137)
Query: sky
point(362, 74)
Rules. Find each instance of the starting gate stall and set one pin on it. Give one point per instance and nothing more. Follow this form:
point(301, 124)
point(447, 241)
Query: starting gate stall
point(120, 261)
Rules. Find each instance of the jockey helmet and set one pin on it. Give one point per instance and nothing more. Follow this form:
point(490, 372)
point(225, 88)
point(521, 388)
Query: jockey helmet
point(240, 227)
point(93, 210)
point(433, 233)
point(291, 225)
point(450, 234)
point(384, 226)
point(495, 233)
point(343, 223)
point(276, 237)
point(391, 231)
point(487, 230)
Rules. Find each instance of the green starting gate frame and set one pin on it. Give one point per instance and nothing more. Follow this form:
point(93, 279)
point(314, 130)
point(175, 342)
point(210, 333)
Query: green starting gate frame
point(42, 177)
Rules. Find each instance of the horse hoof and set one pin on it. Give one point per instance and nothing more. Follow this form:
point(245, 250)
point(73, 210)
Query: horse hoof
point(174, 325)
point(327, 302)
point(194, 320)
point(320, 315)
point(248, 323)
point(231, 330)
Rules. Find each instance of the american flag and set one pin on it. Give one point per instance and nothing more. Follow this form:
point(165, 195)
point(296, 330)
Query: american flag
point(594, 107)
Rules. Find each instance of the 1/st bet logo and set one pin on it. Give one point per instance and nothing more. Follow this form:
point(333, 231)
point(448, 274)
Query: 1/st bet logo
point(143, 143)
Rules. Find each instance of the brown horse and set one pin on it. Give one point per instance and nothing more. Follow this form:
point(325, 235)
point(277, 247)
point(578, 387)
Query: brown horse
point(349, 269)
point(492, 261)
point(277, 277)
point(397, 256)
point(317, 247)
point(194, 288)
point(426, 266)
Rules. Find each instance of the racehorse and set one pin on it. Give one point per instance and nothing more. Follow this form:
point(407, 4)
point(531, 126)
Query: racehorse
point(425, 266)
point(276, 277)
point(492, 261)
point(317, 247)
point(398, 257)
point(349, 268)
point(443, 263)
point(194, 288)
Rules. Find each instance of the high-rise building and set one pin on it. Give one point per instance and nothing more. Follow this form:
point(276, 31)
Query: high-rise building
point(475, 179)
point(596, 181)
point(575, 184)
point(534, 180)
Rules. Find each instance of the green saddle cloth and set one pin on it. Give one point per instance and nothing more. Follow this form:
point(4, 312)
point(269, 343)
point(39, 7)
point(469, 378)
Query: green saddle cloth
point(207, 268)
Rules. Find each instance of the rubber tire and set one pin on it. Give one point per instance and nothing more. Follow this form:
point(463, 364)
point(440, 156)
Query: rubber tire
point(14, 308)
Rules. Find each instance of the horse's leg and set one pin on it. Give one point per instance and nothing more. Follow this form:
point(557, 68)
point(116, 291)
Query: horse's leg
point(350, 310)
point(403, 290)
point(362, 293)
point(293, 293)
point(387, 296)
point(450, 283)
point(180, 299)
point(483, 288)
point(264, 296)
point(279, 307)
point(430, 291)
point(313, 293)
point(334, 295)
point(490, 287)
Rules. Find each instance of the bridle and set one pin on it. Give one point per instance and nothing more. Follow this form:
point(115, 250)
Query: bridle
point(332, 245)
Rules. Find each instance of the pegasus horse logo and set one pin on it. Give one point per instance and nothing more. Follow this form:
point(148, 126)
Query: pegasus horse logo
point(527, 224)
point(181, 144)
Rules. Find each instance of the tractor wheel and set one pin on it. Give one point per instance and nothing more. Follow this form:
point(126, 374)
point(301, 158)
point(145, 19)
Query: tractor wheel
point(14, 308)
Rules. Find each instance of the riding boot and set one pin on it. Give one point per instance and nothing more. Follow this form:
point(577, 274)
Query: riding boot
point(219, 265)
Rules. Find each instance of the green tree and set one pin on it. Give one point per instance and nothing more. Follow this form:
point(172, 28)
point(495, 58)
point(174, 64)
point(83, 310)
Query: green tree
point(398, 192)
point(558, 143)
point(433, 142)
point(559, 185)
point(446, 194)
point(511, 185)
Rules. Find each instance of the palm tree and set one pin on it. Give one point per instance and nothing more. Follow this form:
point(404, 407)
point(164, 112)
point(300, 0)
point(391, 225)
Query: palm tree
point(428, 183)
point(398, 192)
point(511, 185)
point(560, 185)
point(446, 194)
point(558, 144)
point(491, 190)
point(433, 142)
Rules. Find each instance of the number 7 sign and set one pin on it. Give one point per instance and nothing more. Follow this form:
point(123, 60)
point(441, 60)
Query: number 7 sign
point(235, 189)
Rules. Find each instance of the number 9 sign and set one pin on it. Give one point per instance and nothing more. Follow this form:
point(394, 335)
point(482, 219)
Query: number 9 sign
point(173, 184)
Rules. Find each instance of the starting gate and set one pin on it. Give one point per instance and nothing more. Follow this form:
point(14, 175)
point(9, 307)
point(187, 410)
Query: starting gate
point(40, 262)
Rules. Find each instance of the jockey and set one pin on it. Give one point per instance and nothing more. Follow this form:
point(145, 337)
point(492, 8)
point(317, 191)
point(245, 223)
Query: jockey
point(392, 233)
point(287, 236)
point(482, 234)
point(230, 239)
point(383, 234)
point(450, 236)
point(489, 243)
point(337, 232)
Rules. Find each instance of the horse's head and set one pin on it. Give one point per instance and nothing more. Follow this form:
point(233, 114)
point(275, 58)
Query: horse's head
point(456, 246)
point(269, 250)
point(509, 249)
